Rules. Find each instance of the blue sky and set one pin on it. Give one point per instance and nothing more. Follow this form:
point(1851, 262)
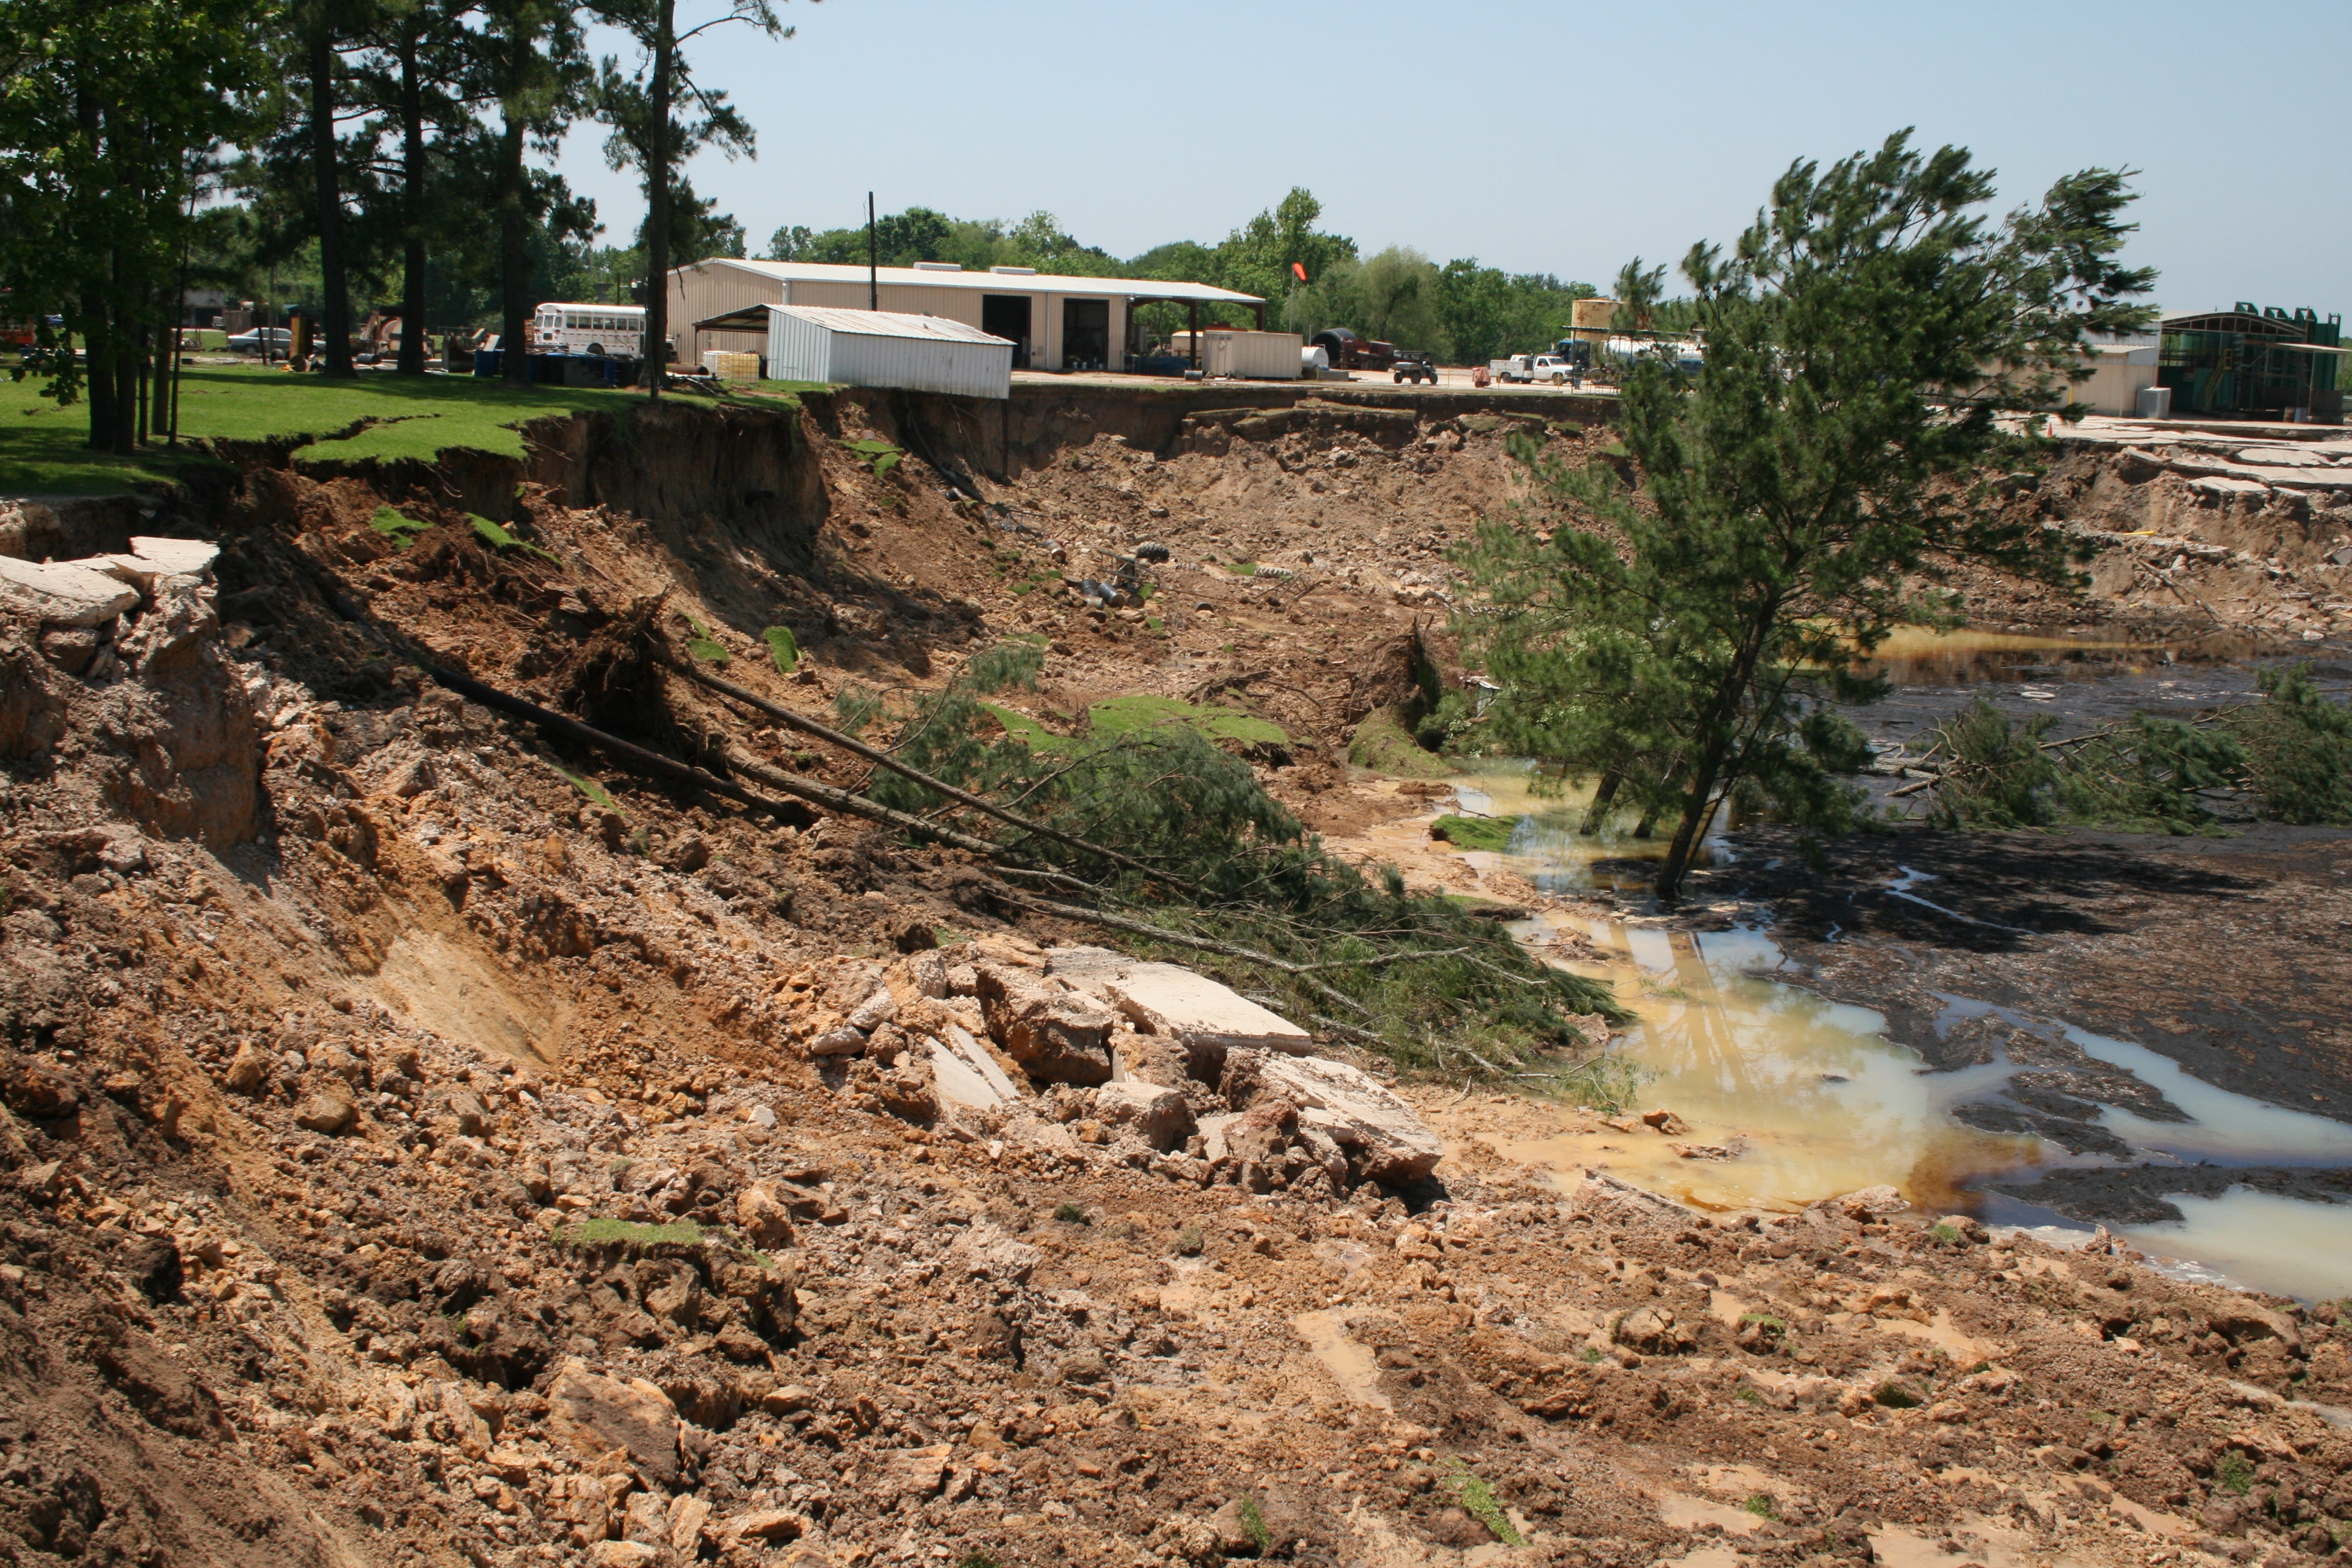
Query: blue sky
point(1537, 137)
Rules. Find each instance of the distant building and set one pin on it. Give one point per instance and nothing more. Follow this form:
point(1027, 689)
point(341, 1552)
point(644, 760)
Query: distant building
point(2256, 364)
point(1054, 322)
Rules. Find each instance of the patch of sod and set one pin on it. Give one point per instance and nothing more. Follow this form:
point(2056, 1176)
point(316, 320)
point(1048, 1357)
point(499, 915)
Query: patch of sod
point(498, 537)
point(782, 648)
point(1119, 715)
point(1022, 727)
point(1492, 833)
point(397, 526)
point(1383, 745)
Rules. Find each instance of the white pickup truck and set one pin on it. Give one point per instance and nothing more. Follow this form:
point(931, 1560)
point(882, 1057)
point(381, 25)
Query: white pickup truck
point(1536, 367)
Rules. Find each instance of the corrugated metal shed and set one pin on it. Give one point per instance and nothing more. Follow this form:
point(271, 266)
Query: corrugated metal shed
point(884, 348)
point(1058, 319)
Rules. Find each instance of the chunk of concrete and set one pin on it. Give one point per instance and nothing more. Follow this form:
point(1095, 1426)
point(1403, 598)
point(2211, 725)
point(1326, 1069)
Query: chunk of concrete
point(1384, 1139)
point(150, 558)
point(1157, 1115)
point(67, 592)
point(1180, 1003)
point(593, 1416)
point(1058, 1035)
point(956, 1080)
point(973, 1052)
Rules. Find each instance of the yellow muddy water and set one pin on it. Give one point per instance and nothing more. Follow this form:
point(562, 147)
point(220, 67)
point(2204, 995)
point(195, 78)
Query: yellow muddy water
point(1786, 1098)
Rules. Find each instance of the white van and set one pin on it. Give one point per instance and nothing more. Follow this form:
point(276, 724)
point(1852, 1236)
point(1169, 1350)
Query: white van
point(619, 330)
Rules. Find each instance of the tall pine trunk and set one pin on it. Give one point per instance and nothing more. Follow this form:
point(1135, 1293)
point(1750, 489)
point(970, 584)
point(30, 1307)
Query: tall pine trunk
point(120, 348)
point(658, 192)
point(411, 169)
point(514, 321)
point(335, 313)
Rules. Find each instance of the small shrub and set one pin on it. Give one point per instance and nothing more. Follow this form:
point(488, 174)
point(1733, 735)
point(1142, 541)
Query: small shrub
point(1895, 1396)
point(1478, 1501)
point(1762, 1506)
point(978, 1559)
point(2234, 1474)
point(1748, 1394)
point(1947, 1234)
point(1069, 1214)
point(1189, 1241)
point(1255, 1522)
point(1591, 1354)
point(782, 648)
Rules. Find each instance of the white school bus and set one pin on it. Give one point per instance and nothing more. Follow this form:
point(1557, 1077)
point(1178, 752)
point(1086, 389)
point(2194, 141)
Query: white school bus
point(616, 330)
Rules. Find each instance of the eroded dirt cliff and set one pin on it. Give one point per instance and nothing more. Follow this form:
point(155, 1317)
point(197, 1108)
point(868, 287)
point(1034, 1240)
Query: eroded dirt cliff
point(425, 1142)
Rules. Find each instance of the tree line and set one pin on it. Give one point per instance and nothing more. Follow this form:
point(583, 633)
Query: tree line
point(149, 145)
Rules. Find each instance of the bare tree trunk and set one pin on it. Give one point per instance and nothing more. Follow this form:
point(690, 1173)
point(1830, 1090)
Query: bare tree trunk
point(335, 313)
point(657, 157)
point(412, 160)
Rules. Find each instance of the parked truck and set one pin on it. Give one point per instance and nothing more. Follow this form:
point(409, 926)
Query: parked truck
point(1528, 368)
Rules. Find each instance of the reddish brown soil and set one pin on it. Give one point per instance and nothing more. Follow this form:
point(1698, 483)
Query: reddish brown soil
point(312, 1060)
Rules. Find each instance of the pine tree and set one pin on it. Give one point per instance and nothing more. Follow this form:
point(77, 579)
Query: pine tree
point(1878, 350)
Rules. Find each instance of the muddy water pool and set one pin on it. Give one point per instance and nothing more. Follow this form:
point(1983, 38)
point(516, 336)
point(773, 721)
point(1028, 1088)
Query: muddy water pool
point(1789, 1098)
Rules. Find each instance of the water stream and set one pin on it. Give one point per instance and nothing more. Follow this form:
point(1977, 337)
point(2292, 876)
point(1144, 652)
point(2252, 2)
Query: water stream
point(1789, 1098)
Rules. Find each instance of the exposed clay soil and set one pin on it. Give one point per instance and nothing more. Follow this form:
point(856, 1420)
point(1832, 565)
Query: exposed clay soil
point(334, 1005)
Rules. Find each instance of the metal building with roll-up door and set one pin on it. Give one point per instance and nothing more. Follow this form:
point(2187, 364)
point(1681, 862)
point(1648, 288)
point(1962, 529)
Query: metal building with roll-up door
point(883, 348)
point(1055, 322)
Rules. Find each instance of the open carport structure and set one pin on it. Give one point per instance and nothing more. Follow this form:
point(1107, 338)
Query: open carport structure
point(1054, 322)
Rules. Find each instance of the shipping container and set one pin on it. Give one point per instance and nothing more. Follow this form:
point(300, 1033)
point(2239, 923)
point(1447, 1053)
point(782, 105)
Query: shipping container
point(1256, 356)
point(882, 348)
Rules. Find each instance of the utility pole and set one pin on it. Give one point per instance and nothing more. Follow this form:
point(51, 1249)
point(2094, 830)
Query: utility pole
point(873, 260)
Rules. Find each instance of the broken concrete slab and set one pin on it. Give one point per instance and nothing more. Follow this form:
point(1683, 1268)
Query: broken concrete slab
point(65, 592)
point(1058, 1034)
point(958, 1082)
point(976, 1054)
point(1157, 1115)
point(1176, 1003)
point(151, 558)
point(1385, 1140)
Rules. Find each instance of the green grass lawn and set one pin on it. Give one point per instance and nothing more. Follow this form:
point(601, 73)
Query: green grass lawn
point(41, 449)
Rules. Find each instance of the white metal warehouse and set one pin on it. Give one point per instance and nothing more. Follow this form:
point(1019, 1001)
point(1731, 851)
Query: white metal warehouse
point(883, 348)
point(1054, 322)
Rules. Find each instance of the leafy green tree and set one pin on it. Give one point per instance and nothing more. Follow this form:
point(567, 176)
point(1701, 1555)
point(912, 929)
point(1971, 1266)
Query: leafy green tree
point(416, 78)
point(1870, 339)
point(1488, 312)
point(110, 116)
point(1401, 300)
point(651, 135)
